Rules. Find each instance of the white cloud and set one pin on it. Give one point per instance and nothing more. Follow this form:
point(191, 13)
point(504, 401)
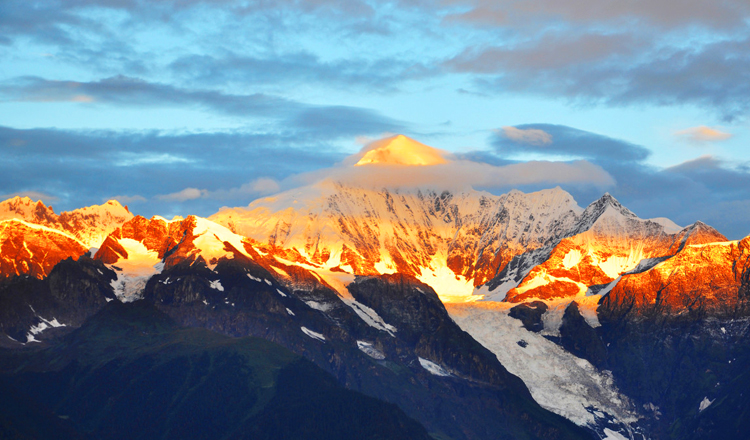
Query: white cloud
point(703, 134)
point(127, 199)
point(185, 194)
point(457, 174)
point(259, 187)
point(128, 159)
point(531, 136)
point(33, 195)
point(263, 185)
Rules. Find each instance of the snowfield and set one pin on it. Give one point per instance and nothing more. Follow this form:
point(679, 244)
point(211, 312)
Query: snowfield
point(559, 381)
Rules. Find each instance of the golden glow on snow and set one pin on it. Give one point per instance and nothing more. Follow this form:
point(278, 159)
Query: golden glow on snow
point(140, 261)
point(401, 150)
point(450, 288)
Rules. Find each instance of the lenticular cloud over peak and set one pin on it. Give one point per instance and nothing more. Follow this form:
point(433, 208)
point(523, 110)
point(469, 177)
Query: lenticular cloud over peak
point(401, 150)
point(402, 162)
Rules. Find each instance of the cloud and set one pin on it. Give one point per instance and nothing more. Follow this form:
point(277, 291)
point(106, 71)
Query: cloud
point(33, 195)
point(251, 190)
point(298, 68)
point(264, 185)
point(124, 90)
point(454, 173)
point(126, 199)
point(185, 194)
point(72, 166)
point(530, 136)
point(561, 140)
point(316, 120)
point(702, 134)
point(550, 51)
point(699, 164)
point(661, 13)
point(631, 62)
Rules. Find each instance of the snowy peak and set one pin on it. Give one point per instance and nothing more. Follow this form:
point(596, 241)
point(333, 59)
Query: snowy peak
point(607, 207)
point(92, 224)
point(89, 225)
point(401, 150)
point(450, 241)
point(24, 208)
point(143, 247)
point(30, 249)
point(705, 277)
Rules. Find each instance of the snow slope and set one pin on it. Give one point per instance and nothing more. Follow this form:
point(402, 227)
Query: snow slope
point(558, 381)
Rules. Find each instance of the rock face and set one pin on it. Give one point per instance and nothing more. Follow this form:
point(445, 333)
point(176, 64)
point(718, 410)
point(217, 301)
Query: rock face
point(519, 247)
point(453, 242)
point(156, 235)
point(608, 241)
point(34, 310)
point(29, 249)
point(700, 279)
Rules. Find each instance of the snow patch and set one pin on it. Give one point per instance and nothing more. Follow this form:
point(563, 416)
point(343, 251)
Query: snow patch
point(613, 435)
point(291, 313)
point(559, 381)
point(433, 368)
point(281, 293)
point(136, 270)
point(217, 285)
point(319, 306)
point(44, 325)
point(369, 350)
point(705, 403)
point(312, 334)
point(257, 280)
point(280, 271)
point(211, 239)
point(129, 288)
point(370, 316)
point(448, 286)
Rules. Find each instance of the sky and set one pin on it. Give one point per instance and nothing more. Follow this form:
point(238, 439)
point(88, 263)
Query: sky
point(178, 107)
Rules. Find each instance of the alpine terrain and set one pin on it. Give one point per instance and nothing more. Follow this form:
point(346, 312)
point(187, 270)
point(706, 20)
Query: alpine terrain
point(363, 309)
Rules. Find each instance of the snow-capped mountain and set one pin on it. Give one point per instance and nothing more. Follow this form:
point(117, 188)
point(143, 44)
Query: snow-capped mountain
point(31, 249)
point(89, 225)
point(453, 242)
point(437, 300)
point(607, 241)
point(705, 277)
point(33, 238)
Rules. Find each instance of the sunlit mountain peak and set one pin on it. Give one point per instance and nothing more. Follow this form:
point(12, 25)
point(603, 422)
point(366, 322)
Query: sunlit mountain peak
point(401, 150)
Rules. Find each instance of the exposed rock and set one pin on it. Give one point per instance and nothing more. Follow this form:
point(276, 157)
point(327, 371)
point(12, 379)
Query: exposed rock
point(579, 338)
point(530, 315)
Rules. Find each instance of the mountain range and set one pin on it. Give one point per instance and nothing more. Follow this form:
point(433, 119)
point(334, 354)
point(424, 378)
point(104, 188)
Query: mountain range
point(479, 316)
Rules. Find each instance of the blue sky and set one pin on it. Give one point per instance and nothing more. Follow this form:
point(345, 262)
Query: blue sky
point(184, 106)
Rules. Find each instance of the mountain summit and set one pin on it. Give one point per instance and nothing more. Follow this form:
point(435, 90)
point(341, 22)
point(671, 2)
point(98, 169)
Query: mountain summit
point(401, 150)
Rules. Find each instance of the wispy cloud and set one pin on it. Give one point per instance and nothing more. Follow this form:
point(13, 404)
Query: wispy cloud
point(126, 199)
point(532, 136)
point(560, 140)
point(33, 195)
point(325, 121)
point(703, 134)
point(184, 195)
point(455, 173)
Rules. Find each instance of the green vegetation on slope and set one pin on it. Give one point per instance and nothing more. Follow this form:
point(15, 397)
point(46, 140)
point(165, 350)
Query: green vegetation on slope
point(130, 372)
